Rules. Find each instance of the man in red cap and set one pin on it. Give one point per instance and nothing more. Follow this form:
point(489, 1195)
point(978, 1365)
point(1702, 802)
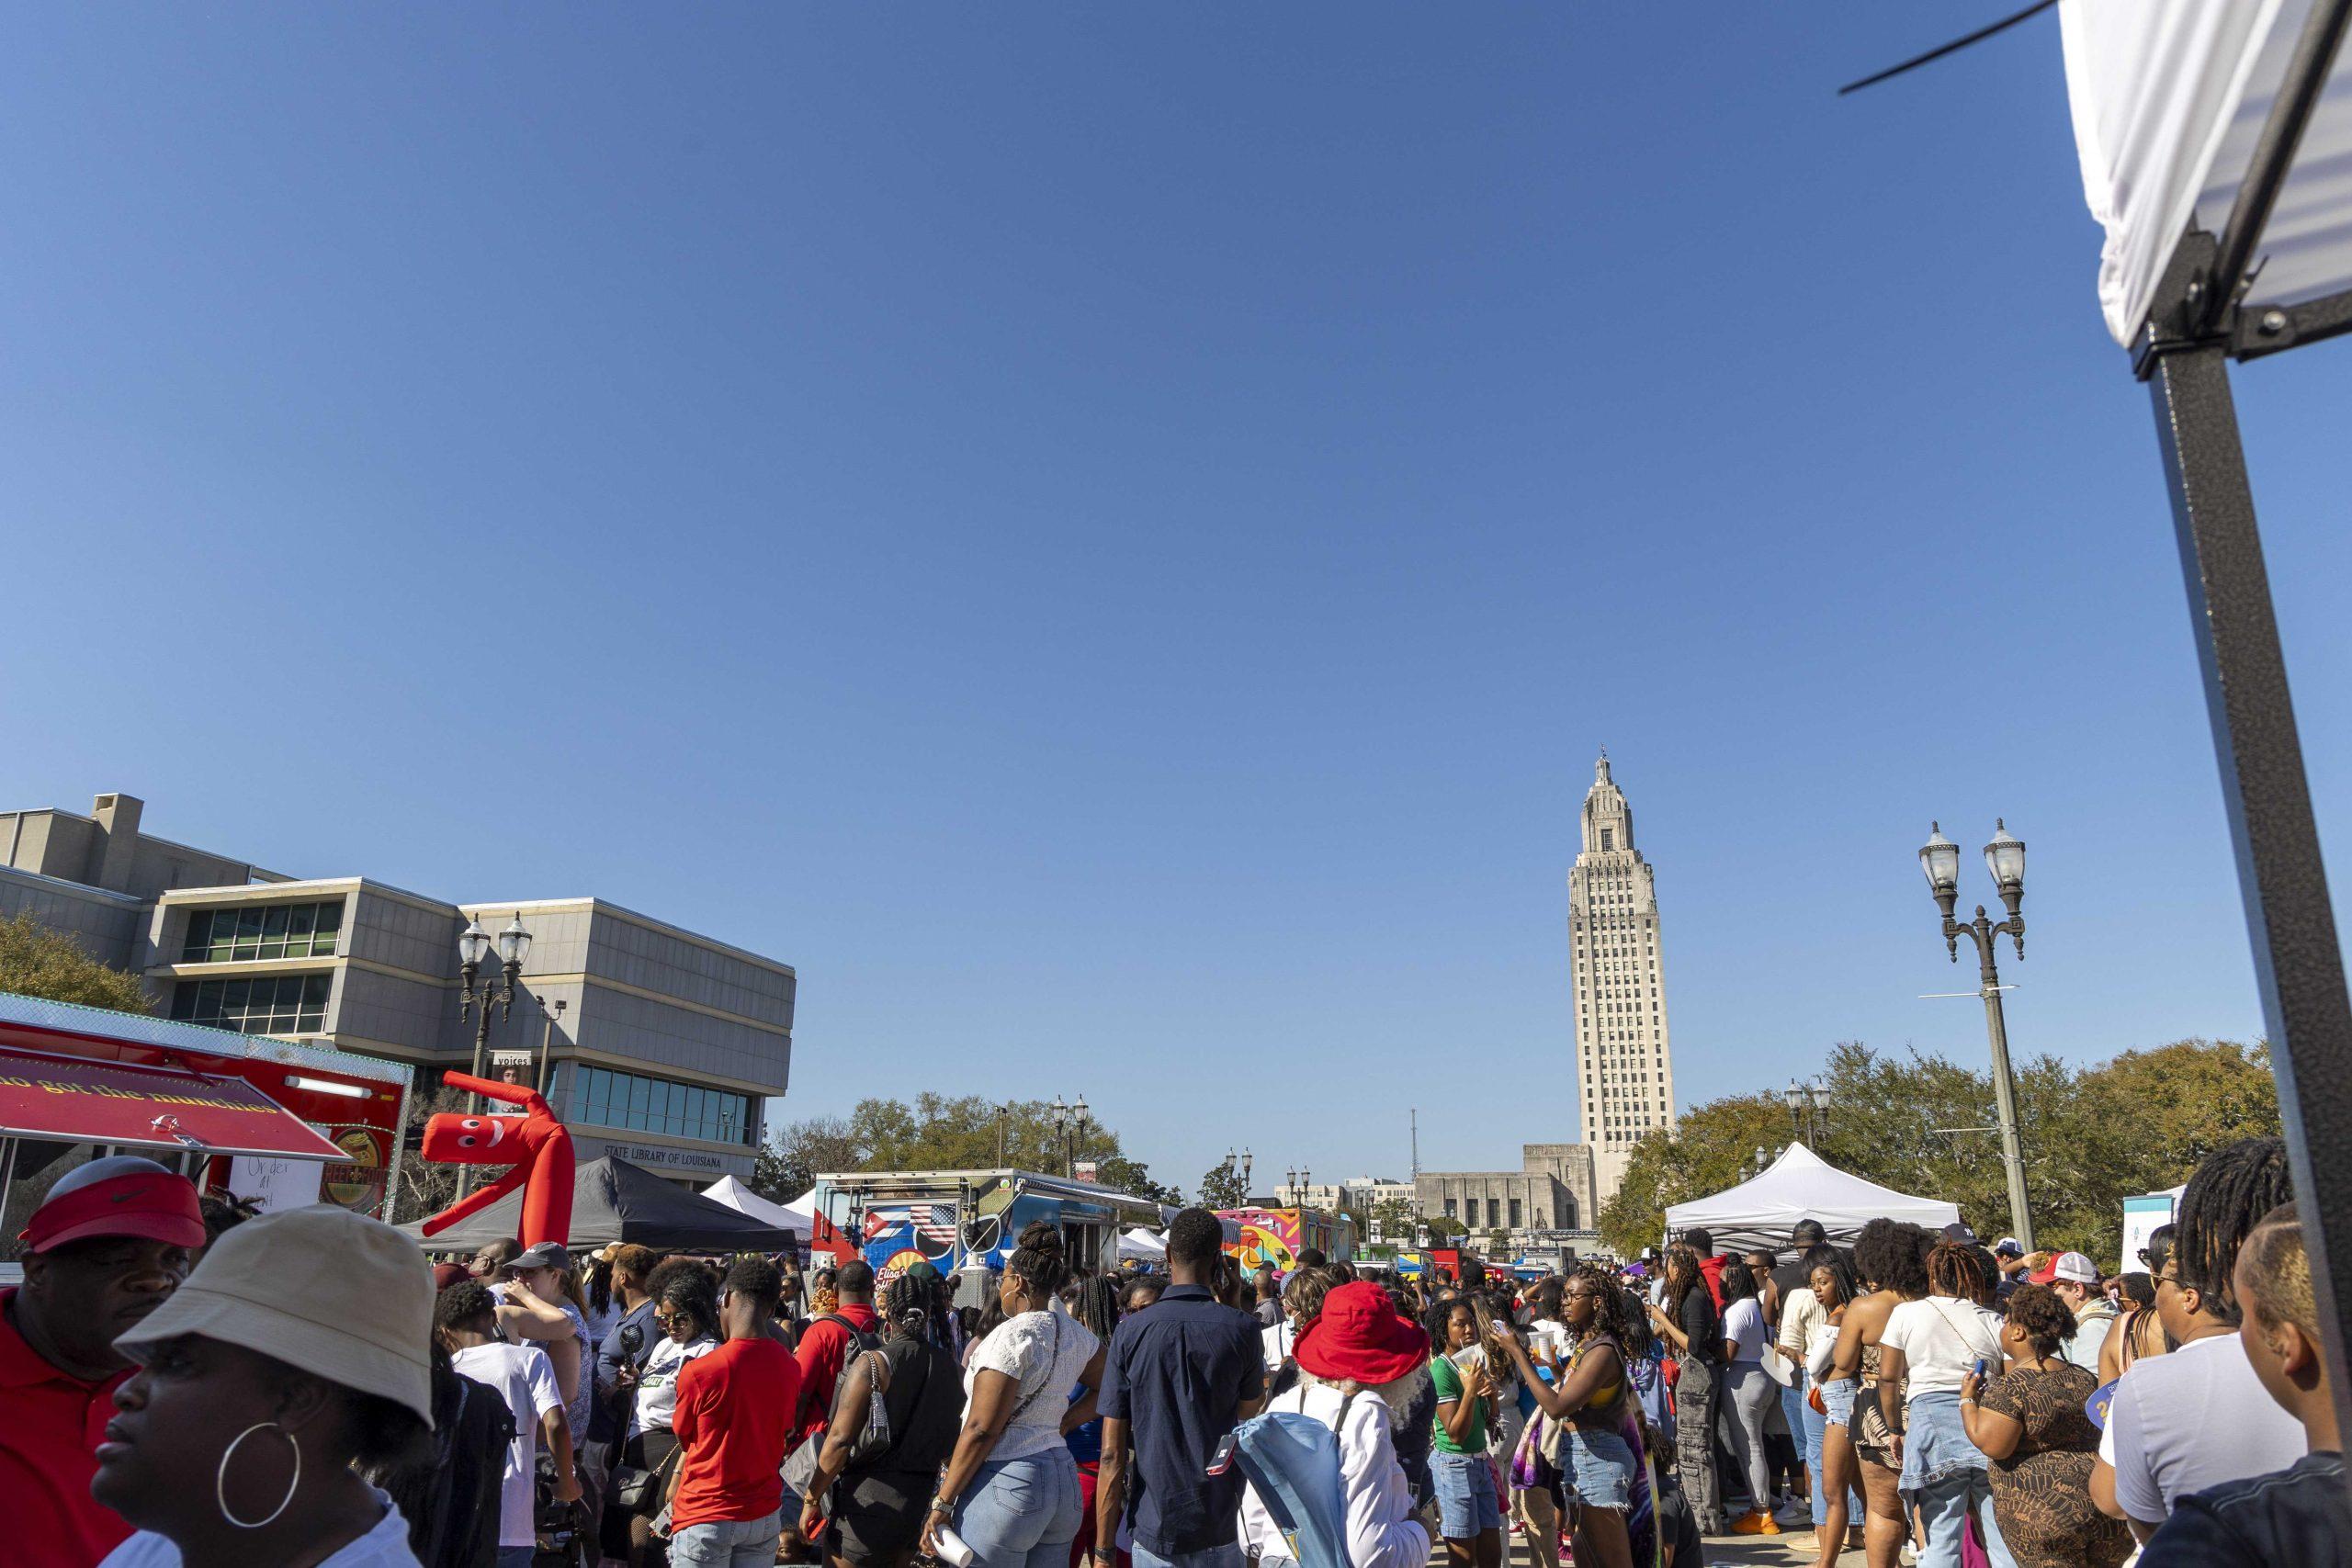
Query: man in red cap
point(114, 1240)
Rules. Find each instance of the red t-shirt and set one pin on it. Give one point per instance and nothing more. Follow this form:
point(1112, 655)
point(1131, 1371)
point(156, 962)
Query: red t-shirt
point(824, 1349)
point(50, 1426)
point(731, 1422)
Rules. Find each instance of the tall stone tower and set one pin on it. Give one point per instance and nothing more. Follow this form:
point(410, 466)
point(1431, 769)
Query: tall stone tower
point(1625, 1072)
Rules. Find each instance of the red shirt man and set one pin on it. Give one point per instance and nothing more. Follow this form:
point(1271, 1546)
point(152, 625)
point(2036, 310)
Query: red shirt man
point(114, 1240)
point(824, 1347)
point(730, 1438)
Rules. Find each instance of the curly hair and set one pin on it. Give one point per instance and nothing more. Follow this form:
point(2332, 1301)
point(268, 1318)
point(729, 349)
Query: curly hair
point(2048, 1322)
point(1304, 1292)
point(1956, 1268)
point(1040, 1259)
point(1682, 1275)
point(2226, 1199)
point(1886, 1253)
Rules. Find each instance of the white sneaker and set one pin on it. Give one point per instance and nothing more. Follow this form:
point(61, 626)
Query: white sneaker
point(1910, 1554)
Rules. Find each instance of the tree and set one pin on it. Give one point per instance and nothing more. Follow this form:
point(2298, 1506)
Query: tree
point(2092, 1136)
point(796, 1152)
point(1221, 1188)
point(38, 961)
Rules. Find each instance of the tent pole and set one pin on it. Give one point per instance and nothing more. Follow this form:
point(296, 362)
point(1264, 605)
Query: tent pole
point(2298, 963)
point(2274, 153)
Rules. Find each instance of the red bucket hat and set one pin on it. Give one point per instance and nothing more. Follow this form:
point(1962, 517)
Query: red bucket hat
point(1359, 1338)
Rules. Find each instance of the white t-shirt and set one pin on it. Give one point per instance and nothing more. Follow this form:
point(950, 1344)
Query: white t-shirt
point(1744, 1327)
point(1043, 1352)
point(657, 1386)
point(1941, 1338)
point(386, 1545)
point(1384, 1531)
point(1276, 1338)
point(2192, 1419)
point(526, 1379)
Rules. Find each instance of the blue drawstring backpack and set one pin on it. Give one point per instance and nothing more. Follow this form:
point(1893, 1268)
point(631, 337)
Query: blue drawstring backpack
point(1292, 1461)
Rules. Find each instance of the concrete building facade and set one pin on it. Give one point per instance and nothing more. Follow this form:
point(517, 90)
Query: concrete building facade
point(1625, 1068)
point(1551, 1193)
point(661, 1044)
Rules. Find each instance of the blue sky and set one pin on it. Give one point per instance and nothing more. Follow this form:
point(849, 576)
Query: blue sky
point(1109, 536)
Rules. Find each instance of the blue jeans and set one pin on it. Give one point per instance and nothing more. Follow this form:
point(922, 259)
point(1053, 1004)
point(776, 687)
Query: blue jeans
point(1207, 1557)
point(1021, 1513)
point(1943, 1507)
point(1807, 1425)
point(728, 1543)
point(1466, 1505)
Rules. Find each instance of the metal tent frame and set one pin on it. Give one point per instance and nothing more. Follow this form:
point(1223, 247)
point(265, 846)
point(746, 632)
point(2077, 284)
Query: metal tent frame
point(2198, 325)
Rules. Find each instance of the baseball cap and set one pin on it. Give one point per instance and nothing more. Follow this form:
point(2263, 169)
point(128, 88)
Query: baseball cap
point(120, 1196)
point(546, 1254)
point(1958, 1231)
point(448, 1274)
point(2008, 1246)
point(334, 1294)
point(2069, 1266)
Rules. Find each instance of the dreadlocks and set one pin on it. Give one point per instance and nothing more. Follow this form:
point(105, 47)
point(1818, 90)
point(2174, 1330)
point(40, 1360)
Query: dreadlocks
point(1956, 1268)
point(1611, 1313)
point(2228, 1196)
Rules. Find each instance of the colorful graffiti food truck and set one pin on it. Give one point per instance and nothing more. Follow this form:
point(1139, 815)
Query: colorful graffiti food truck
point(950, 1218)
point(1279, 1236)
point(288, 1124)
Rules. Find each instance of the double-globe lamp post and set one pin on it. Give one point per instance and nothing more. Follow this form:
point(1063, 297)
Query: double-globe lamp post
point(473, 948)
point(1069, 1121)
point(1808, 1106)
point(2005, 857)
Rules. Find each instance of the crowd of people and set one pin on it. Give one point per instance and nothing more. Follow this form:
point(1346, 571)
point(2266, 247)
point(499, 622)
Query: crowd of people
point(185, 1384)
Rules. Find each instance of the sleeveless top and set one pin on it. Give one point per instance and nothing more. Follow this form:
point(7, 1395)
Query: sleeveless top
point(1600, 1403)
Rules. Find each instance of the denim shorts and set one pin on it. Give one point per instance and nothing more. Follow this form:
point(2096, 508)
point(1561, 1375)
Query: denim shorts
point(1021, 1513)
point(1601, 1467)
point(1838, 1402)
point(1467, 1505)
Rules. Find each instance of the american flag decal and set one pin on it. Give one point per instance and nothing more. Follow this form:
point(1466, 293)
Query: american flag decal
point(934, 1222)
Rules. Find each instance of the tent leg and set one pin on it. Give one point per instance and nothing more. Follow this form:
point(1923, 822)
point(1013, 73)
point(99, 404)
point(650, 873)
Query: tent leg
point(2298, 963)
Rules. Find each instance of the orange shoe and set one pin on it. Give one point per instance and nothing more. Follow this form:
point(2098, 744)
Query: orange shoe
point(1757, 1523)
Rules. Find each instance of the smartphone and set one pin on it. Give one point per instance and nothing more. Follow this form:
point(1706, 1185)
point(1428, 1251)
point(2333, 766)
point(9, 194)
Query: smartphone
point(1980, 1369)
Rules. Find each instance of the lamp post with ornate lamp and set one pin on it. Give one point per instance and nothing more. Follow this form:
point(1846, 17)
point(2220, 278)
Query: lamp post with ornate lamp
point(473, 949)
point(1069, 1121)
point(2005, 857)
point(1808, 1106)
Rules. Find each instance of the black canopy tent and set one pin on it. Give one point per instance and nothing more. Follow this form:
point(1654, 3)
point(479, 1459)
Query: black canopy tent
point(615, 1200)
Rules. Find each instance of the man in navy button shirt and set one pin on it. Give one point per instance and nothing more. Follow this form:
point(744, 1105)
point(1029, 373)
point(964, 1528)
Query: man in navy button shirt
point(1176, 1381)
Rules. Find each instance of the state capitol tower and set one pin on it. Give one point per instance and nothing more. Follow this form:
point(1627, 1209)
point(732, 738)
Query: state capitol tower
point(1625, 1071)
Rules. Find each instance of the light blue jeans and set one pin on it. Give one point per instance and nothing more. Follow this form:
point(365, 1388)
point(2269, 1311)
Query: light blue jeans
point(1808, 1425)
point(1943, 1509)
point(1207, 1557)
point(728, 1543)
point(1022, 1513)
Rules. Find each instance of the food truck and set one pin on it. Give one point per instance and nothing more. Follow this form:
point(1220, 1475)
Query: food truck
point(1279, 1236)
point(287, 1123)
point(951, 1218)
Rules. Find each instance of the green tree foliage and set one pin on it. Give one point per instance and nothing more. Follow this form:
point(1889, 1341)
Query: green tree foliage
point(938, 1131)
point(36, 961)
point(1222, 1187)
point(1918, 1123)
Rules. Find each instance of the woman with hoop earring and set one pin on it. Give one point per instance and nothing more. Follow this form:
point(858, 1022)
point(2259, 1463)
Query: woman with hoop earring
point(299, 1346)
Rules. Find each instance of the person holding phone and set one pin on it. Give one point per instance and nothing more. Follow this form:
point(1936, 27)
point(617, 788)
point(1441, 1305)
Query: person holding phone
point(1928, 1349)
point(1590, 1401)
point(2029, 1422)
point(1470, 1514)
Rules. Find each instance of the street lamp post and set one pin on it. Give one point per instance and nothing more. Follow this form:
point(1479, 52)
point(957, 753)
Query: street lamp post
point(473, 949)
point(2005, 857)
point(547, 1035)
point(1811, 1103)
point(1069, 1121)
point(1247, 1160)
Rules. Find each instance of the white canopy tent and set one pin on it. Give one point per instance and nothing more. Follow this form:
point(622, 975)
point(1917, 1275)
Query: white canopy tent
point(1142, 1246)
point(1801, 1185)
point(743, 1201)
point(2170, 98)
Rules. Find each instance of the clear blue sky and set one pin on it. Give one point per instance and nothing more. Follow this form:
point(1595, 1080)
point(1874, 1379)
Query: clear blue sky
point(1109, 536)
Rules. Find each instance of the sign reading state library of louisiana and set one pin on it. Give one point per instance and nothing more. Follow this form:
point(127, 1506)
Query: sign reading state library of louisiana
point(656, 1156)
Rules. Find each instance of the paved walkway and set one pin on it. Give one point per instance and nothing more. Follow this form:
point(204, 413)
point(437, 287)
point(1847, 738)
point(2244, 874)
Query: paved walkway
point(1788, 1551)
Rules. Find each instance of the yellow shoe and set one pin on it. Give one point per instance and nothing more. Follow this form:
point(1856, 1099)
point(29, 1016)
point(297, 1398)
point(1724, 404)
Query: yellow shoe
point(1758, 1523)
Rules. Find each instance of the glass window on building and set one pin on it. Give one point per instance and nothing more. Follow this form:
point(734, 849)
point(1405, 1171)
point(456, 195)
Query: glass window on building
point(1449, 1209)
point(243, 933)
point(606, 1098)
point(1514, 1213)
point(268, 1004)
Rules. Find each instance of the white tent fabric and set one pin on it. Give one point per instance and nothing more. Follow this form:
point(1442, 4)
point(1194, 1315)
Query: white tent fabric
point(743, 1201)
point(1801, 1185)
point(1141, 1244)
point(2170, 98)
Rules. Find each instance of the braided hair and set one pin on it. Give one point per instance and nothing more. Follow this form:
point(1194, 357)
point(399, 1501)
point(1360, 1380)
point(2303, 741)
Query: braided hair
point(1956, 1268)
point(905, 1307)
point(1612, 1315)
point(2226, 1199)
point(1097, 1305)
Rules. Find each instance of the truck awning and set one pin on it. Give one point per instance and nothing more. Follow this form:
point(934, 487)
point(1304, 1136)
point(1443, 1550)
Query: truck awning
point(83, 1101)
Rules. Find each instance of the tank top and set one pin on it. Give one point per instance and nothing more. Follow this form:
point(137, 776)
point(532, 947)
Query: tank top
point(1602, 1404)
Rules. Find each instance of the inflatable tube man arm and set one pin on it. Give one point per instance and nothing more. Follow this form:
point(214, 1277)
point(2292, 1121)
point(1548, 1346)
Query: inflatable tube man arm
point(535, 1147)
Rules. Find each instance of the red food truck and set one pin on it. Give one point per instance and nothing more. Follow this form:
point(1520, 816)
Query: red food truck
point(288, 1122)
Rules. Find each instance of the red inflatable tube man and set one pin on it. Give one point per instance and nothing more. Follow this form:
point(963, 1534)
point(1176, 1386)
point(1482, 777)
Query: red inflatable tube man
point(534, 1145)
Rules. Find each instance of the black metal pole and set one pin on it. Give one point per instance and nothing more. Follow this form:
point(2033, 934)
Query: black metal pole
point(2290, 921)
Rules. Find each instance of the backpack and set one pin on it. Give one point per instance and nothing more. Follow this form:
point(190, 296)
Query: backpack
point(801, 1464)
point(1291, 1461)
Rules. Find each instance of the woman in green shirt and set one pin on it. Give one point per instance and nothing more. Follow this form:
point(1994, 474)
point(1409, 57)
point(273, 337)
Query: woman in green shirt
point(1469, 1513)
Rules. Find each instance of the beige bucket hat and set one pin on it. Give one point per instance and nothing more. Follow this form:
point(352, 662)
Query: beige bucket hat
point(336, 1294)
